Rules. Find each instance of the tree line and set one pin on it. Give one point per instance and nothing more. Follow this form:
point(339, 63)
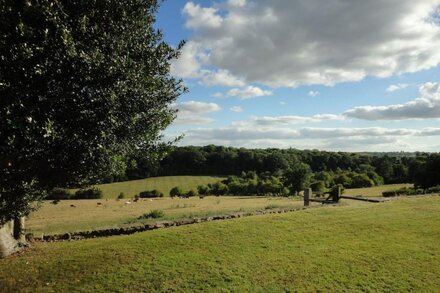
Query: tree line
point(320, 169)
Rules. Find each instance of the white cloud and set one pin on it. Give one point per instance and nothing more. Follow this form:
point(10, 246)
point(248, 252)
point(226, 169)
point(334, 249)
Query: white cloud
point(188, 64)
point(313, 93)
point(249, 92)
point(195, 107)
point(237, 3)
point(397, 87)
point(223, 78)
point(289, 43)
point(236, 109)
point(373, 138)
point(427, 105)
point(286, 120)
point(192, 112)
point(201, 17)
point(218, 95)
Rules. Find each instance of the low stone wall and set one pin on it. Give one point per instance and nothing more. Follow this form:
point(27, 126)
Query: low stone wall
point(157, 225)
point(8, 244)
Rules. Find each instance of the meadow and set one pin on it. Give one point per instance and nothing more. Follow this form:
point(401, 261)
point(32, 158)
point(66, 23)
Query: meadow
point(83, 215)
point(88, 215)
point(385, 247)
point(163, 184)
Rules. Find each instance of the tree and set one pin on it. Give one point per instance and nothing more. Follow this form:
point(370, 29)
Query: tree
point(82, 84)
point(298, 177)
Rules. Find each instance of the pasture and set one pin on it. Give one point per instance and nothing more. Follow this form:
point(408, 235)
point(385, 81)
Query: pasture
point(110, 213)
point(88, 215)
point(163, 184)
point(386, 247)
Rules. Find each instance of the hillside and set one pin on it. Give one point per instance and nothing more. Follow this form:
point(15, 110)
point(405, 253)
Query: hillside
point(391, 246)
point(163, 184)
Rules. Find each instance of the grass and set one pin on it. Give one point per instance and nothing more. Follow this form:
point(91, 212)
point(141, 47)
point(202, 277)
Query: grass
point(375, 191)
point(163, 184)
point(387, 247)
point(88, 215)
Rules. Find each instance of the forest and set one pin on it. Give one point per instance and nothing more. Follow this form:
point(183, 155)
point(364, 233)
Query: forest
point(352, 170)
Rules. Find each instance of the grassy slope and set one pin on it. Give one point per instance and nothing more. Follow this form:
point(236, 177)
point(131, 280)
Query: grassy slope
point(164, 184)
point(87, 215)
point(387, 247)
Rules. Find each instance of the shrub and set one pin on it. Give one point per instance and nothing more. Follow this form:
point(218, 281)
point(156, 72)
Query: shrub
point(434, 189)
point(59, 193)
point(203, 190)
point(219, 188)
point(191, 193)
point(121, 195)
point(89, 193)
point(154, 214)
point(176, 191)
point(389, 193)
point(402, 191)
point(151, 194)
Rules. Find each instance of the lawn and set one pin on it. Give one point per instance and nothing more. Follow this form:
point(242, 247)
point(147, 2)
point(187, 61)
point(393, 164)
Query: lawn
point(163, 184)
point(386, 247)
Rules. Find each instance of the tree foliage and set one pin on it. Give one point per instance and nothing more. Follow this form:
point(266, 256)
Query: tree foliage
point(82, 85)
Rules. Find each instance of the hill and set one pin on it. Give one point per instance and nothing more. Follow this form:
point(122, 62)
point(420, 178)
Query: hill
point(163, 184)
point(390, 246)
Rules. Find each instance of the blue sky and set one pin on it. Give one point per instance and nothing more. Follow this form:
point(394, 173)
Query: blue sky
point(319, 74)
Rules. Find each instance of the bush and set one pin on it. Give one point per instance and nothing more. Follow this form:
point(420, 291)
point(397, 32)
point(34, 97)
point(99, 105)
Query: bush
point(59, 193)
point(151, 194)
point(389, 193)
point(404, 191)
point(177, 191)
point(121, 195)
point(203, 190)
point(434, 189)
point(219, 188)
point(154, 214)
point(90, 193)
point(191, 193)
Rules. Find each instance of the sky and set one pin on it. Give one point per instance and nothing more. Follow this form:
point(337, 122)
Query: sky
point(336, 75)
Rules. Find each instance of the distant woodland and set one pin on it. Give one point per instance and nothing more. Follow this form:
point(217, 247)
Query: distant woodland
point(321, 167)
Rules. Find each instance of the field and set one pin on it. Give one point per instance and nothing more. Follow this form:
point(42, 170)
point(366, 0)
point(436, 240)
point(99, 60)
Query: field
point(110, 213)
point(88, 215)
point(386, 247)
point(374, 191)
point(163, 184)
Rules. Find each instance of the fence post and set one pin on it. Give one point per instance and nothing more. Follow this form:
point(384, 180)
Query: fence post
point(337, 195)
point(307, 194)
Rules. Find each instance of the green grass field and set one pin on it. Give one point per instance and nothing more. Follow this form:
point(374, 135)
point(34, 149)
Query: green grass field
point(163, 184)
point(386, 247)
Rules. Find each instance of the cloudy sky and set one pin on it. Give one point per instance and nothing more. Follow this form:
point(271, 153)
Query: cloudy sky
point(317, 74)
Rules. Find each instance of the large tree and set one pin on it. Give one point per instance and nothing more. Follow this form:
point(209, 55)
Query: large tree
point(82, 84)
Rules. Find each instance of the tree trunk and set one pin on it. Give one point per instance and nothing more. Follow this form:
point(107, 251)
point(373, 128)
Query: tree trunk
point(19, 230)
point(8, 244)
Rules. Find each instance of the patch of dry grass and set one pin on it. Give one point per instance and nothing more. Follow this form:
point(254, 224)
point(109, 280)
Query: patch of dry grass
point(87, 214)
